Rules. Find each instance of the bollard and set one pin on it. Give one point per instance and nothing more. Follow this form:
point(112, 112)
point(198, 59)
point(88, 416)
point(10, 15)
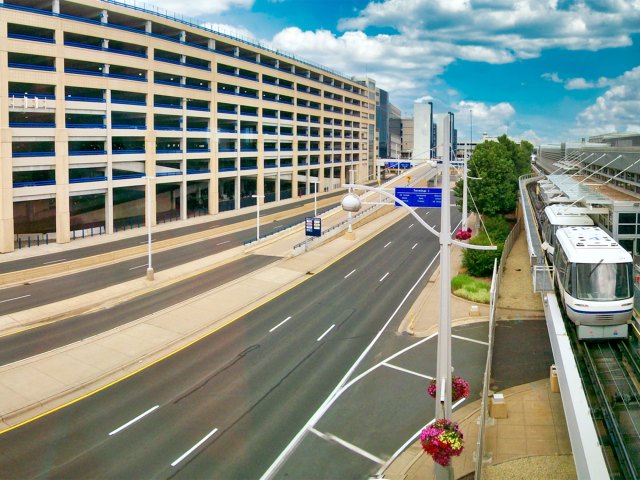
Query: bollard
point(553, 374)
point(46, 239)
point(19, 243)
point(29, 241)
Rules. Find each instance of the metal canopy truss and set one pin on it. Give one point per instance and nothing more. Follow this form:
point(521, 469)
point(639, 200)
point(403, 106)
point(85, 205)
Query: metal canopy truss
point(578, 192)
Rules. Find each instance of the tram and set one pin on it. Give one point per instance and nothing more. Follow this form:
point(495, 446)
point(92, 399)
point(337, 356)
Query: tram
point(558, 216)
point(594, 276)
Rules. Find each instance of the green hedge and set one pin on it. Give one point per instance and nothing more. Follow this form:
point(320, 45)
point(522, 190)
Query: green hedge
point(479, 263)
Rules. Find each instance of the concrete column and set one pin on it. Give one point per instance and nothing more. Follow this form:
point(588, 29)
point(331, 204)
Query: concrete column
point(150, 169)
point(6, 165)
point(61, 141)
point(108, 201)
point(55, 7)
point(104, 16)
point(148, 26)
point(183, 36)
point(183, 199)
point(105, 43)
point(237, 187)
point(213, 192)
point(212, 44)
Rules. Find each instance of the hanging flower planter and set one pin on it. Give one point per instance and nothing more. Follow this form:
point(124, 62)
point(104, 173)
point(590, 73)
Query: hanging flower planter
point(463, 234)
point(442, 440)
point(459, 388)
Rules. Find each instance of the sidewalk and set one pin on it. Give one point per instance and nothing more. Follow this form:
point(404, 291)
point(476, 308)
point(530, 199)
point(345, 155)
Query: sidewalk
point(533, 441)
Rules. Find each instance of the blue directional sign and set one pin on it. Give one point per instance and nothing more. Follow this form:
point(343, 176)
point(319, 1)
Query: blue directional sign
point(420, 197)
point(313, 226)
point(399, 165)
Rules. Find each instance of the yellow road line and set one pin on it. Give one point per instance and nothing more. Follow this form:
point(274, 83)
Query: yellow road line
point(104, 387)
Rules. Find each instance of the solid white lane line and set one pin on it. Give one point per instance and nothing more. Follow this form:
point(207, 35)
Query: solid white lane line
point(185, 454)
point(55, 261)
point(15, 298)
point(222, 243)
point(347, 445)
point(385, 276)
point(328, 330)
point(426, 214)
point(281, 323)
point(414, 246)
point(470, 340)
point(387, 245)
point(411, 226)
point(130, 422)
point(349, 274)
point(407, 371)
point(344, 384)
point(139, 266)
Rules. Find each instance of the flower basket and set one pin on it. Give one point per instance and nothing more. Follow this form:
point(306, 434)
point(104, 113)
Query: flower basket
point(463, 234)
point(442, 440)
point(459, 388)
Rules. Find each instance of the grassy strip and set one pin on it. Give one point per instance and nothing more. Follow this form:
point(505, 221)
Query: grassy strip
point(470, 288)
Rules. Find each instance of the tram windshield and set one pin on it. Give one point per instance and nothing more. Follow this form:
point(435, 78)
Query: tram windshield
point(603, 281)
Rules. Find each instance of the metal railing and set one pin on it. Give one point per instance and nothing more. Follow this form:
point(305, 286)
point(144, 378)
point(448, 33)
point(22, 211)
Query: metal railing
point(498, 269)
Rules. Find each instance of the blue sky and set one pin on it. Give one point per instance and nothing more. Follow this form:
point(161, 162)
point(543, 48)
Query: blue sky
point(545, 70)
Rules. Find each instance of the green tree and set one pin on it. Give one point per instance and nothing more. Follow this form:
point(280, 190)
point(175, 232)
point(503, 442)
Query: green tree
point(496, 191)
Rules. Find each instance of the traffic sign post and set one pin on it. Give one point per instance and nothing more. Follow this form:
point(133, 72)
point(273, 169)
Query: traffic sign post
point(419, 197)
point(313, 226)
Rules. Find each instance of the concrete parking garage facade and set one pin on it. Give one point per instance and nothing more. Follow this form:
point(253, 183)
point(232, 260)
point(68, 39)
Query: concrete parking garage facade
point(101, 102)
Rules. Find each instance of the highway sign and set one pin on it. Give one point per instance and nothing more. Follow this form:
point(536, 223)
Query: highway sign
point(420, 197)
point(402, 165)
point(313, 226)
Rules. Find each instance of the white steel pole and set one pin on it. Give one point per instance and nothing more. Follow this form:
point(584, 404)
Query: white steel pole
point(315, 200)
point(443, 367)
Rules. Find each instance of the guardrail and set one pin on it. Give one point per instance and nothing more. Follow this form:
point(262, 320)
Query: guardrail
point(535, 256)
point(498, 269)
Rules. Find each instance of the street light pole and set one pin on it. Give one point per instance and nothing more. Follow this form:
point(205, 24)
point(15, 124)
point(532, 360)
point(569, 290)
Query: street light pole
point(443, 365)
point(149, 264)
point(315, 199)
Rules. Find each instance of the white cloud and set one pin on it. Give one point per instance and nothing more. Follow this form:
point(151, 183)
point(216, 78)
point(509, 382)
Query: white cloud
point(530, 136)
point(616, 110)
point(239, 32)
point(201, 7)
point(552, 77)
point(500, 31)
point(423, 99)
point(483, 118)
point(578, 83)
point(395, 62)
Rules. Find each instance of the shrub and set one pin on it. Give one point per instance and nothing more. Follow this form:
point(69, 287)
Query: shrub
point(479, 263)
point(498, 228)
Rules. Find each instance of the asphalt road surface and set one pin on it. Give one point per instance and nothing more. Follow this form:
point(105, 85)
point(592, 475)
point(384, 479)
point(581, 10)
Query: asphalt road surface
point(229, 404)
point(23, 297)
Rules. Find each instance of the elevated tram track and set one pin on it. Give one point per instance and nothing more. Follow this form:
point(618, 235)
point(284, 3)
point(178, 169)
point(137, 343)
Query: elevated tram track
point(610, 376)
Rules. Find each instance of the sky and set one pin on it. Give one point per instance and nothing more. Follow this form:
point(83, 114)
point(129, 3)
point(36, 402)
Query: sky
point(547, 71)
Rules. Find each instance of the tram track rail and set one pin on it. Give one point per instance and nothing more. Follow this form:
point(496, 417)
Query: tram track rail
point(610, 374)
point(611, 378)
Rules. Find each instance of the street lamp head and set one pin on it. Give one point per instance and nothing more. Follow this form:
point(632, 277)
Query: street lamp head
point(351, 203)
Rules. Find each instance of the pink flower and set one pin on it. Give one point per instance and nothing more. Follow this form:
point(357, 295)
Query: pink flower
point(459, 388)
point(442, 440)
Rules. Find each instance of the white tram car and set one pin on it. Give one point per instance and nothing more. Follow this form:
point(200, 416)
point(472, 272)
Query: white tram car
point(594, 275)
point(558, 216)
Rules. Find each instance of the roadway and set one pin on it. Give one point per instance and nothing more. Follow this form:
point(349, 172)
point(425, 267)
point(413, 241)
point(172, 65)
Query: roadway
point(30, 295)
point(110, 246)
point(226, 406)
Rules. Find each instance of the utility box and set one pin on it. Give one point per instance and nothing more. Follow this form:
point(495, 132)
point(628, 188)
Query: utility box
point(553, 377)
point(498, 407)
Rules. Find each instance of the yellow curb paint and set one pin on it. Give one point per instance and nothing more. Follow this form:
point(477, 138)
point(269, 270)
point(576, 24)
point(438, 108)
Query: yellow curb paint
point(104, 387)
